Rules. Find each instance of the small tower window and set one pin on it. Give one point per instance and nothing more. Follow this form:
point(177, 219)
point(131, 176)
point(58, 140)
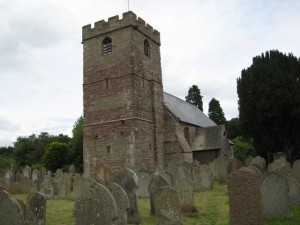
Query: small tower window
point(146, 48)
point(106, 46)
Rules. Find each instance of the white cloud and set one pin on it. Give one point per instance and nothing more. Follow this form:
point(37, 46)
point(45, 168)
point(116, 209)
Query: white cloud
point(205, 42)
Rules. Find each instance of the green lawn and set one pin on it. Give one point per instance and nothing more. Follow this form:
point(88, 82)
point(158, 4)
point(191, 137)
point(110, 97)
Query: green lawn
point(212, 206)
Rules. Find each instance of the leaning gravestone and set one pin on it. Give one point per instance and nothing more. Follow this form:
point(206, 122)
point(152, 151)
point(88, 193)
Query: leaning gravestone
point(10, 210)
point(144, 180)
point(167, 207)
point(128, 180)
point(96, 206)
point(156, 182)
point(275, 195)
point(36, 209)
point(122, 202)
point(245, 200)
point(184, 188)
point(296, 169)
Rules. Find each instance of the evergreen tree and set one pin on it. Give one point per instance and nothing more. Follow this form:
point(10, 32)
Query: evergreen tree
point(215, 112)
point(269, 104)
point(76, 145)
point(194, 97)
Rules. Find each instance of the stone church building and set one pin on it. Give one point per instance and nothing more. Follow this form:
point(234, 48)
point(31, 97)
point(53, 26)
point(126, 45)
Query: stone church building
point(127, 116)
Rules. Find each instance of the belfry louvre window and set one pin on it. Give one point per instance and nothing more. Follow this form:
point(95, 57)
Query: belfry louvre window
point(106, 46)
point(146, 48)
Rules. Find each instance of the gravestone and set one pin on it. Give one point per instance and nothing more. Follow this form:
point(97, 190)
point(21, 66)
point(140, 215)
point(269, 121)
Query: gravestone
point(128, 180)
point(280, 166)
point(25, 184)
point(144, 180)
point(248, 160)
point(26, 172)
point(275, 196)
point(64, 187)
point(245, 199)
point(296, 169)
point(233, 165)
point(258, 161)
point(10, 210)
point(35, 183)
point(36, 209)
point(47, 187)
point(202, 177)
point(294, 189)
point(184, 188)
point(96, 206)
point(167, 207)
point(105, 172)
point(8, 179)
point(18, 177)
point(156, 182)
point(79, 185)
point(72, 168)
point(219, 169)
point(15, 188)
point(122, 202)
point(23, 207)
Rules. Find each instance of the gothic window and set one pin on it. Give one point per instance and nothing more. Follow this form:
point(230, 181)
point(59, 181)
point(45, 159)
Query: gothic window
point(146, 48)
point(106, 46)
point(187, 134)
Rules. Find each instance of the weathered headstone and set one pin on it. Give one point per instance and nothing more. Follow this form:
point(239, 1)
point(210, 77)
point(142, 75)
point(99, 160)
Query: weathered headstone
point(72, 168)
point(258, 161)
point(8, 179)
point(248, 160)
point(275, 195)
point(36, 209)
point(202, 177)
point(35, 182)
point(64, 188)
point(96, 206)
point(128, 180)
point(47, 187)
point(105, 172)
point(144, 180)
point(296, 169)
point(25, 184)
point(167, 207)
point(10, 210)
point(294, 189)
point(184, 188)
point(14, 188)
point(245, 199)
point(156, 182)
point(219, 169)
point(122, 202)
point(233, 165)
point(18, 177)
point(26, 172)
point(280, 166)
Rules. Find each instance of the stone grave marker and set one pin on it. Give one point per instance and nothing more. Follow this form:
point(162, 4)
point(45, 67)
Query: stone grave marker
point(202, 177)
point(185, 190)
point(64, 187)
point(35, 182)
point(47, 187)
point(72, 168)
point(275, 196)
point(245, 199)
point(18, 176)
point(25, 184)
point(96, 206)
point(79, 185)
point(8, 179)
point(144, 180)
point(10, 210)
point(248, 160)
point(280, 166)
point(219, 169)
point(26, 172)
point(167, 207)
point(36, 209)
point(233, 165)
point(128, 180)
point(156, 182)
point(122, 202)
point(258, 161)
point(296, 169)
point(294, 189)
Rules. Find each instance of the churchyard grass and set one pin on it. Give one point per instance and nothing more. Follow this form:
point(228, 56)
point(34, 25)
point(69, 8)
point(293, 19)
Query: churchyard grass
point(212, 206)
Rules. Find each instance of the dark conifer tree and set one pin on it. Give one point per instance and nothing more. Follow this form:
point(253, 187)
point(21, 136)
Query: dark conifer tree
point(194, 97)
point(215, 112)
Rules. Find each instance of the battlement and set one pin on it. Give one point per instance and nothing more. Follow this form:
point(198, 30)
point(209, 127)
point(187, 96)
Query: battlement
point(114, 23)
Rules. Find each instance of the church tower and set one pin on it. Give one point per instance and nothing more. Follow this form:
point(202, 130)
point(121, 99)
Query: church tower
point(122, 94)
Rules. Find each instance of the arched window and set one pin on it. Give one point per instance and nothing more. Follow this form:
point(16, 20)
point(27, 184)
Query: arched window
point(106, 46)
point(146, 48)
point(187, 134)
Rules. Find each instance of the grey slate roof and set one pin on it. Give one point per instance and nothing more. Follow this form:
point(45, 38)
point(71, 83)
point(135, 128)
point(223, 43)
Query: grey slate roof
point(186, 112)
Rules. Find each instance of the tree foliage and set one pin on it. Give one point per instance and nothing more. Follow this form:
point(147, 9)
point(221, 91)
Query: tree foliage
point(76, 145)
point(243, 148)
point(56, 155)
point(194, 97)
point(269, 103)
point(233, 128)
point(215, 112)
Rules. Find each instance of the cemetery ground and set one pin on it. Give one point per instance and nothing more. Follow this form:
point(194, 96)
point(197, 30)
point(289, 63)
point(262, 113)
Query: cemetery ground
point(212, 209)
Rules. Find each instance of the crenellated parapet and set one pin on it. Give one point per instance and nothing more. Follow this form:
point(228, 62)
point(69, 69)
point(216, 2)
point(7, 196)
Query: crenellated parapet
point(115, 23)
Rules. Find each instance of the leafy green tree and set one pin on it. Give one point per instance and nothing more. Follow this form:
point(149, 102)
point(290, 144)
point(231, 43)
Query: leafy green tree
point(233, 128)
point(194, 97)
point(215, 112)
point(76, 145)
point(6, 157)
point(269, 104)
point(56, 155)
point(243, 148)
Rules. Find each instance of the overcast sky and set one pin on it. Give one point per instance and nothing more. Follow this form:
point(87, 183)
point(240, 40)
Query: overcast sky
point(203, 42)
